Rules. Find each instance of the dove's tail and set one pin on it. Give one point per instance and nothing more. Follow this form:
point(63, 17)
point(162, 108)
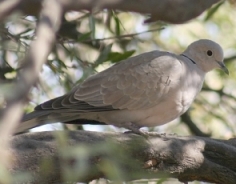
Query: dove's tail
point(32, 120)
point(38, 118)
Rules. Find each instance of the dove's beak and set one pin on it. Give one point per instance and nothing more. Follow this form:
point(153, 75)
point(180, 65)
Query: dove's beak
point(223, 67)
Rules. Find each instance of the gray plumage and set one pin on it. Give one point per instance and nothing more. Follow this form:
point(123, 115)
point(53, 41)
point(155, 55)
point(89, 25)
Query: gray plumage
point(146, 90)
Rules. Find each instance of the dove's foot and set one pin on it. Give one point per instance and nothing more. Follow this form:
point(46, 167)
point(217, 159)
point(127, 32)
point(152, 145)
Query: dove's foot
point(135, 129)
point(142, 133)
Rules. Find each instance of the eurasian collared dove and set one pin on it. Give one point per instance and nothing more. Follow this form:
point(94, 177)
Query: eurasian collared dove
point(147, 90)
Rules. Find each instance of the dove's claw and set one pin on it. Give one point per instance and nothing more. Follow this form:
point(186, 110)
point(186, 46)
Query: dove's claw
point(135, 129)
point(142, 133)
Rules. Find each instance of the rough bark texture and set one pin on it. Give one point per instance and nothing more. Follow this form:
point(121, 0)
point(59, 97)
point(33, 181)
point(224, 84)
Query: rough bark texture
point(91, 155)
point(173, 11)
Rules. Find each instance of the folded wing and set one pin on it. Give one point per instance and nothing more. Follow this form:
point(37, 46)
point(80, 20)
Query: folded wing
point(137, 83)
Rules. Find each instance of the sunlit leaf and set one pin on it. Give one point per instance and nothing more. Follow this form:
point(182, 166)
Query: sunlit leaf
point(117, 23)
point(103, 55)
point(92, 26)
point(213, 10)
point(85, 36)
point(116, 56)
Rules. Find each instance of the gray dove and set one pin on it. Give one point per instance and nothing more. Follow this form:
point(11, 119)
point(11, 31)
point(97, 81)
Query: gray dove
point(147, 90)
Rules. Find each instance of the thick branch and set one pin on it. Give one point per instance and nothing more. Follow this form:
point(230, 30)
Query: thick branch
point(119, 156)
point(173, 11)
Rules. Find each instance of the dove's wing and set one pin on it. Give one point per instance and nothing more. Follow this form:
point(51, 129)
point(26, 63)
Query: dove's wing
point(137, 83)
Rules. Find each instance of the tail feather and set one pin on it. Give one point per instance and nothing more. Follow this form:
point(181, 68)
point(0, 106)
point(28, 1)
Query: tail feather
point(26, 125)
point(32, 120)
point(34, 114)
point(41, 117)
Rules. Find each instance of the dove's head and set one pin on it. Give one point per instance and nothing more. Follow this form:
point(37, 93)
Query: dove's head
point(207, 54)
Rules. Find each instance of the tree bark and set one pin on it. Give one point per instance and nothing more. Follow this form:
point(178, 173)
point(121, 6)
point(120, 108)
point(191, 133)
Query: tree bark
point(81, 156)
point(172, 11)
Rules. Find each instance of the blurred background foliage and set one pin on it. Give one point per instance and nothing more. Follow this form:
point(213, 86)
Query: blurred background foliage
point(91, 42)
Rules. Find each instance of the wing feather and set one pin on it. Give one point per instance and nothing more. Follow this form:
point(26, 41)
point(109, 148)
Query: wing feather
point(137, 83)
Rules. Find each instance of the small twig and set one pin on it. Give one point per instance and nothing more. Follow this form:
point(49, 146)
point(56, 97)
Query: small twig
point(220, 92)
point(120, 36)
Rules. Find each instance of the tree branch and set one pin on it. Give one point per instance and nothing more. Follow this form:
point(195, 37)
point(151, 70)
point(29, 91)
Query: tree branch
point(38, 53)
point(192, 126)
point(172, 11)
point(39, 50)
point(117, 156)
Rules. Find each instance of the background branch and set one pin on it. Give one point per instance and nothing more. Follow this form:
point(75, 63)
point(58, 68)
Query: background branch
point(192, 126)
point(178, 11)
point(38, 53)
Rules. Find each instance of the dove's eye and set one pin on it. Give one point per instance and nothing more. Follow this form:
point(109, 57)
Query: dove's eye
point(209, 53)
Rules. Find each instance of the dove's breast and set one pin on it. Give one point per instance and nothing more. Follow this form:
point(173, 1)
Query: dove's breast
point(176, 102)
point(192, 84)
point(175, 105)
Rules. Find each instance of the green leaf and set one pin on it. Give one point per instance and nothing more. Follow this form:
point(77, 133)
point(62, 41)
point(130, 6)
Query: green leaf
point(117, 23)
point(103, 55)
point(60, 64)
point(213, 10)
point(116, 56)
point(56, 66)
point(84, 37)
point(92, 26)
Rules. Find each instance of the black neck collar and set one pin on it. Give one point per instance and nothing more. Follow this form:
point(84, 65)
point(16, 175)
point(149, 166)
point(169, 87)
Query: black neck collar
point(188, 58)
